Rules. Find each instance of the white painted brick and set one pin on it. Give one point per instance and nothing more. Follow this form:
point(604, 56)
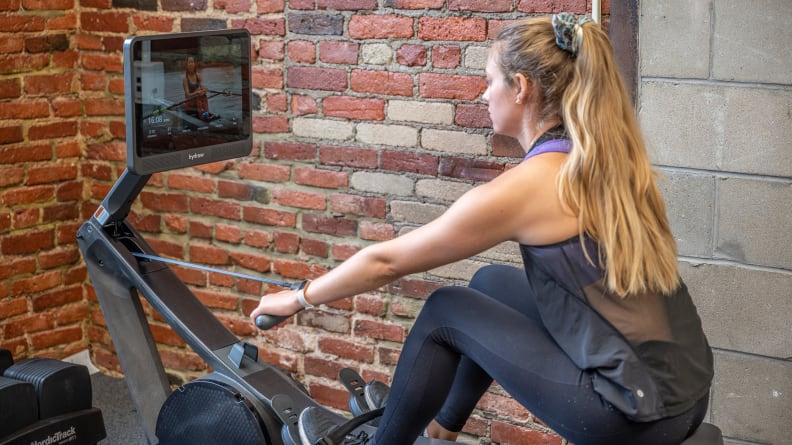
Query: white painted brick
point(322, 128)
point(454, 142)
point(376, 54)
point(382, 134)
point(424, 112)
point(384, 183)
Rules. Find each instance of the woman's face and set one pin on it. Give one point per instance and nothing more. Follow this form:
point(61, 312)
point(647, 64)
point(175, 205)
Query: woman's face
point(504, 110)
point(191, 64)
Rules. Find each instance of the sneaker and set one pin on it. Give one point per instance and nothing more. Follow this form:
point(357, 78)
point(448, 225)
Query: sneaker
point(316, 427)
point(376, 394)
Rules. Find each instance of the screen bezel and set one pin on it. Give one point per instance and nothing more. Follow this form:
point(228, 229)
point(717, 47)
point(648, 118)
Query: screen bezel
point(153, 163)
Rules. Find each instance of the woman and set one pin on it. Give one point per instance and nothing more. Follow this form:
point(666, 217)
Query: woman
point(196, 103)
point(597, 336)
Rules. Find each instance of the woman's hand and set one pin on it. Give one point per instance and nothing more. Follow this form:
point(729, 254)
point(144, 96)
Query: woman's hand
point(283, 303)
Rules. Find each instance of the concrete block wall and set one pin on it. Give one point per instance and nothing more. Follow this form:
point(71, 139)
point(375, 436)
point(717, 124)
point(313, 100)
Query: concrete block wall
point(716, 107)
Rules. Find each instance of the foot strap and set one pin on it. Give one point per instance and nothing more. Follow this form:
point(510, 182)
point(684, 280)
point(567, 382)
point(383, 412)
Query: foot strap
point(337, 435)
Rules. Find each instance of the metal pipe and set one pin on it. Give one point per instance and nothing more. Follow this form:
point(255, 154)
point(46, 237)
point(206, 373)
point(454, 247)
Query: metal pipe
point(596, 11)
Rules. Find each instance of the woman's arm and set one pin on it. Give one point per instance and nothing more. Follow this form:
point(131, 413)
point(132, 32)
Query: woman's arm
point(485, 216)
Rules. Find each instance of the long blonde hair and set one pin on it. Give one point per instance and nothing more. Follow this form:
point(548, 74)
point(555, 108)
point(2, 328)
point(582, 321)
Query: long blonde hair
point(606, 180)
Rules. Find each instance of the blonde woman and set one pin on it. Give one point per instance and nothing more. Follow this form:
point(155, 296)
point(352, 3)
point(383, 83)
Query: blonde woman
point(596, 335)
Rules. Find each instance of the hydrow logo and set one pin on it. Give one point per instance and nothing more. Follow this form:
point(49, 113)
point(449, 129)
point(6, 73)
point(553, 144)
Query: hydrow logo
point(194, 156)
point(58, 438)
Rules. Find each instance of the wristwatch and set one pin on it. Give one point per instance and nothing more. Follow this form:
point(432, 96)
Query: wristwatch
point(301, 295)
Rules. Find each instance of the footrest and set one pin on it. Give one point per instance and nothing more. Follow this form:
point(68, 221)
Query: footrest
point(354, 383)
point(284, 410)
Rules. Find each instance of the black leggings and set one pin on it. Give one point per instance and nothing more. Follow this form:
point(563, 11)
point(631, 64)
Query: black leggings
point(466, 336)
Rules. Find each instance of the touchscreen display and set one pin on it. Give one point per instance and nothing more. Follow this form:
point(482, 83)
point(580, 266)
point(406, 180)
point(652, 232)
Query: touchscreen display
point(190, 94)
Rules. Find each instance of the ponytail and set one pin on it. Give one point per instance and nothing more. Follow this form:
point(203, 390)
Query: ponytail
point(607, 179)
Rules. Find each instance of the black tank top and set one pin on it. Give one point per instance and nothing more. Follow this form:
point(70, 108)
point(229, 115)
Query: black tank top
point(646, 354)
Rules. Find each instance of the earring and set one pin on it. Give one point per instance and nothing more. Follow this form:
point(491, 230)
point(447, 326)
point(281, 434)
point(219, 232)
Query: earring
point(518, 101)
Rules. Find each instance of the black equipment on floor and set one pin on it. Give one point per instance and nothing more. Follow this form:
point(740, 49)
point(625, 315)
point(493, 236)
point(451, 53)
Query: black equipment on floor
point(46, 401)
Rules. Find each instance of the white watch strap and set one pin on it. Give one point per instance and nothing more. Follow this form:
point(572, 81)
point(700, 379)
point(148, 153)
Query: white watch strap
point(301, 296)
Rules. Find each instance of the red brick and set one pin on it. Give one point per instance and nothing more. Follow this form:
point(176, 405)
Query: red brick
point(26, 218)
point(267, 77)
point(264, 172)
point(107, 152)
point(380, 27)
point(371, 305)
point(105, 22)
point(52, 173)
point(506, 146)
point(379, 330)
point(358, 205)
point(301, 51)
point(336, 398)
point(67, 21)
point(270, 124)
point(277, 102)
point(315, 78)
point(55, 337)
point(24, 109)
point(39, 283)
point(222, 209)
point(201, 253)
point(259, 263)
point(345, 349)
point(503, 407)
point(329, 225)
point(407, 161)
point(194, 183)
point(290, 151)
point(342, 252)
point(58, 257)
point(27, 325)
point(219, 300)
point(299, 199)
point(546, 7)
point(271, 50)
point(103, 107)
point(344, 53)
point(376, 231)
point(451, 86)
point(27, 195)
point(235, 190)
point(164, 202)
point(233, 6)
point(153, 23)
point(257, 238)
point(418, 4)
point(508, 434)
point(66, 107)
point(69, 191)
point(60, 212)
point(22, 22)
point(348, 156)
point(464, 168)
point(269, 217)
point(314, 248)
point(472, 116)
point(11, 176)
point(302, 105)
point(321, 178)
point(26, 153)
point(269, 6)
point(48, 83)
point(19, 266)
point(12, 307)
point(350, 107)
point(272, 27)
point(452, 28)
point(58, 297)
point(11, 134)
point(199, 229)
point(48, 4)
point(414, 288)
point(411, 55)
point(286, 242)
point(479, 6)
point(10, 88)
point(348, 5)
point(382, 82)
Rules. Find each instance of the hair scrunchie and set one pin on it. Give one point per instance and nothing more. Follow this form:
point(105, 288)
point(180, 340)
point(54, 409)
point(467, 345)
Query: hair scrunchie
point(568, 31)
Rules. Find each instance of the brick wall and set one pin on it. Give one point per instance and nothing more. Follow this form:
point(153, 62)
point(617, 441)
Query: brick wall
point(368, 124)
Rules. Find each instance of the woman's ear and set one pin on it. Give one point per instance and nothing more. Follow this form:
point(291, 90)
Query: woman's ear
point(523, 87)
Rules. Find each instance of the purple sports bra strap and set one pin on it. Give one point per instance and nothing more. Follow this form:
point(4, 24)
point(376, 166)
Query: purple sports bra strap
point(553, 145)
